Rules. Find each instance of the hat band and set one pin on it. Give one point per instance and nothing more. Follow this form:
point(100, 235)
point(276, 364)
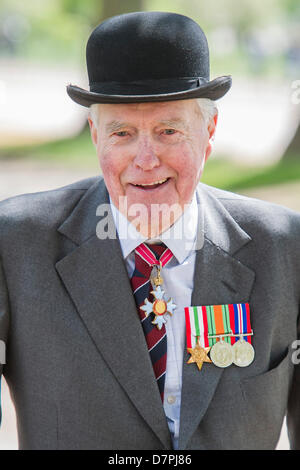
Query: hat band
point(148, 87)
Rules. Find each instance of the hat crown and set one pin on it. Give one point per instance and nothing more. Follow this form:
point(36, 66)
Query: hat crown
point(146, 46)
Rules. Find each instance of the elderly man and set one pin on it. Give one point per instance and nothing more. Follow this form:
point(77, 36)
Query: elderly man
point(145, 310)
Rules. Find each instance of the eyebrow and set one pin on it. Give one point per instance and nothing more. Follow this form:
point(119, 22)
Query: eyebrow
point(175, 122)
point(115, 126)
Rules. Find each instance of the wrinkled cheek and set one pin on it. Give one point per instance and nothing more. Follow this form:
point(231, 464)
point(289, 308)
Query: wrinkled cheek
point(107, 167)
point(189, 177)
point(111, 173)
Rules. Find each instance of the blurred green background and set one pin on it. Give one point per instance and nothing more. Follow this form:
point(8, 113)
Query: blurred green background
point(42, 47)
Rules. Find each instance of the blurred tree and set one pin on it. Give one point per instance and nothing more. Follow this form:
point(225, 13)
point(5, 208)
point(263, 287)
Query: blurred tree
point(96, 11)
point(291, 6)
point(117, 7)
point(293, 150)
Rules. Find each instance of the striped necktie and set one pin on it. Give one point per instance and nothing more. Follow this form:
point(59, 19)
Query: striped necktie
point(141, 285)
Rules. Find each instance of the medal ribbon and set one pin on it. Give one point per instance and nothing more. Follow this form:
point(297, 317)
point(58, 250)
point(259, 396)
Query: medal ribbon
point(218, 323)
point(214, 320)
point(148, 256)
point(196, 326)
point(240, 321)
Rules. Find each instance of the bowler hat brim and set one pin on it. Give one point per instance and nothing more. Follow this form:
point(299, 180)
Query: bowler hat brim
point(213, 90)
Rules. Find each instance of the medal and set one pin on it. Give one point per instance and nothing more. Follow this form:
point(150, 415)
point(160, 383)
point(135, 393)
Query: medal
point(243, 353)
point(225, 329)
point(221, 354)
point(195, 338)
point(198, 355)
point(219, 334)
point(160, 306)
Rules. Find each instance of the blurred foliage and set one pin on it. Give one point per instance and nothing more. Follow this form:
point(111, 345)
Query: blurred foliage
point(293, 150)
point(234, 177)
point(95, 11)
point(53, 30)
point(244, 35)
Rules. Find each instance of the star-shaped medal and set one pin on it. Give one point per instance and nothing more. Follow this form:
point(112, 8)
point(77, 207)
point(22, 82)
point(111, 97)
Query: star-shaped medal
point(159, 307)
point(198, 355)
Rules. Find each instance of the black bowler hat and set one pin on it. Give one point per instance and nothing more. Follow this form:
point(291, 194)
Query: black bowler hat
point(148, 56)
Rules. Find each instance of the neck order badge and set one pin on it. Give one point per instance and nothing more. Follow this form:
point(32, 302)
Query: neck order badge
point(155, 332)
point(223, 331)
point(160, 307)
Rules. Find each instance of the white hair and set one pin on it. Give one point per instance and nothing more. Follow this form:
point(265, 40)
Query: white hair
point(93, 113)
point(207, 108)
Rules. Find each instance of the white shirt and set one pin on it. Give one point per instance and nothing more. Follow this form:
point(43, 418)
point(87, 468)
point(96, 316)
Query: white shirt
point(178, 276)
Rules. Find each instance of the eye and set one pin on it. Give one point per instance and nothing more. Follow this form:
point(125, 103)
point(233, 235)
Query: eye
point(121, 133)
point(169, 131)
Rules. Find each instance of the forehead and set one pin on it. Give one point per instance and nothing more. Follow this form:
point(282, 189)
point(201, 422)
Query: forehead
point(184, 110)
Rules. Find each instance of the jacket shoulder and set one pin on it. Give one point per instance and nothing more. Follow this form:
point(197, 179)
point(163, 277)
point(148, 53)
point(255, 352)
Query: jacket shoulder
point(257, 216)
point(43, 209)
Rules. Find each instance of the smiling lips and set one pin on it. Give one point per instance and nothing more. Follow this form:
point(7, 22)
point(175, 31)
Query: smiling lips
point(153, 185)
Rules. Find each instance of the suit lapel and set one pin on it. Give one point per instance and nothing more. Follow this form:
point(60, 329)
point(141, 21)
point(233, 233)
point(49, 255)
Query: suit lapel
point(96, 279)
point(219, 279)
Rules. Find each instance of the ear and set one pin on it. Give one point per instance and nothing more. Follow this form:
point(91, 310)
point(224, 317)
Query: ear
point(94, 131)
point(211, 131)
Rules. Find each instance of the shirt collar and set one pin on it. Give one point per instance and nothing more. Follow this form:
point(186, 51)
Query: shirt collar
point(180, 238)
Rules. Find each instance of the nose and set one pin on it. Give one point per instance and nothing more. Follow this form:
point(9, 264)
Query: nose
point(146, 157)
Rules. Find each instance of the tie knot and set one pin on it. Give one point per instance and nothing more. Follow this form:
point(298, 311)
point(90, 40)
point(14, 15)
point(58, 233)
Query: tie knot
point(153, 254)
point(157, 249)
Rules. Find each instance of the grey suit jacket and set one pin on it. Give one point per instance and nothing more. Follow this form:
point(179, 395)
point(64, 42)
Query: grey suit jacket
point(77, 363)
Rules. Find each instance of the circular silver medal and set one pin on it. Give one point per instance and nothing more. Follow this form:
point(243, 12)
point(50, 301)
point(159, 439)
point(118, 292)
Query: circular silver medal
point(221, 354)
point(243, 353)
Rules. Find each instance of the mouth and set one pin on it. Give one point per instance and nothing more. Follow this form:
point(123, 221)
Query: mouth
point(153, 185)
